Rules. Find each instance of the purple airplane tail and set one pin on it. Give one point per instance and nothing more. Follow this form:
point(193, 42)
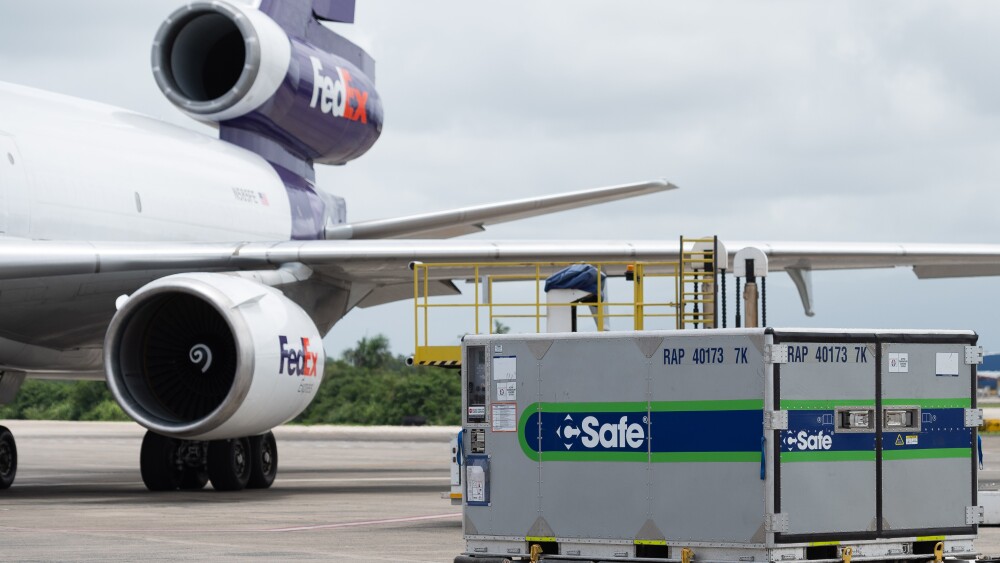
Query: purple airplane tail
point(278, 83)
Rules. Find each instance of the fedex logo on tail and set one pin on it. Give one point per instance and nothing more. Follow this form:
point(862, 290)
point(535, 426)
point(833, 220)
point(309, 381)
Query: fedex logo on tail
point(336, 96)
point(300, 361)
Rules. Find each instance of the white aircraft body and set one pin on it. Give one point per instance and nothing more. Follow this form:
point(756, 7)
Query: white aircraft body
point(198, 275)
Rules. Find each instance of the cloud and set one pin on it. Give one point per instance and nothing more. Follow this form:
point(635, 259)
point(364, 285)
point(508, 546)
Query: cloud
point(779, 120)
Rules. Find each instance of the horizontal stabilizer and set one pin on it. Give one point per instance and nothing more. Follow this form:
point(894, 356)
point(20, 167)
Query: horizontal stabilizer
point(467, 220)
point(334, 10)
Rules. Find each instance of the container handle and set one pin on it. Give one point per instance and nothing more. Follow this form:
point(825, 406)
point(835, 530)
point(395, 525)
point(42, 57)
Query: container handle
point(763, 456)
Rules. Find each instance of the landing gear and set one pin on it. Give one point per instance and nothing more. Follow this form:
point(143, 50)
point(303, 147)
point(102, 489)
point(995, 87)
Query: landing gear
point(169, 464)
point(229, 464)
point(263, 461)
point(194, 478)
point(159, 463)
point(8, 458)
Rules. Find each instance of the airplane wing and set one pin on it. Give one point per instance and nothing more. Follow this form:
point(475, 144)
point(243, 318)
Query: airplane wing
point(320, 275)
point(379, 269)
point(384, 262)
point(468, 220)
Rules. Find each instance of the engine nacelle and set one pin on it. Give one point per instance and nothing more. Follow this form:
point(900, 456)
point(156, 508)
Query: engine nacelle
point(211, 356)
point(232, 64)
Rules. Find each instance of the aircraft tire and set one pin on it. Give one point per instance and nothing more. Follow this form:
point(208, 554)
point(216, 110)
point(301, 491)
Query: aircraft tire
point(158, 462)
point(194, 478)
point(8, 458)
point(229, 464)
point(263, 461)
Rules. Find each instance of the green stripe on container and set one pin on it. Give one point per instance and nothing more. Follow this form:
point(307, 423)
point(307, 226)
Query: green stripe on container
point(637, 406)
point(829, 404)
point(596, 456)
point(705, 457)
point(522, 429)
point(722, 405)
point(655, 406)
point(958, 403)
point(851, 455)
point(929, 453)
point(825, 404)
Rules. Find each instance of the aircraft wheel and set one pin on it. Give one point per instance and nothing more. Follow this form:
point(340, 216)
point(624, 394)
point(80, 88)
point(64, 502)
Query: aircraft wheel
point(158, 462)
point(8, 458)
point(194, 478)
point(263, 461)
point(229, 464)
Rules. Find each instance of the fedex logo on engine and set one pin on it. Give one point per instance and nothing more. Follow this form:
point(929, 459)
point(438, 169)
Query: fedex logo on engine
point(335, 95)
point(300, 361)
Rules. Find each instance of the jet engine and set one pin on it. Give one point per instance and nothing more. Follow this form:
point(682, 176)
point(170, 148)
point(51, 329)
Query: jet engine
point(212, 356)
point(233, 65)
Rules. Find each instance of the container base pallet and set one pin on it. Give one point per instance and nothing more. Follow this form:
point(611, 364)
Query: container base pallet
point(906, 549)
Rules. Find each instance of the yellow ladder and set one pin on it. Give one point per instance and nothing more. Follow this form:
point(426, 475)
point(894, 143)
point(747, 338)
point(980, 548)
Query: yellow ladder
point(696, 284)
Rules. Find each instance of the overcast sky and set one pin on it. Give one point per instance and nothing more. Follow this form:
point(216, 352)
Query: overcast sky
point(855, 121)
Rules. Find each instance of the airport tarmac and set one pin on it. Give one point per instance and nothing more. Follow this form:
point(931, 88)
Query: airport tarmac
point(342, 494)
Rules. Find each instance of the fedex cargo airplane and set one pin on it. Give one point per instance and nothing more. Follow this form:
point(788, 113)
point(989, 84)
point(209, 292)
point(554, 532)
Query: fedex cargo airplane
point(207, 320)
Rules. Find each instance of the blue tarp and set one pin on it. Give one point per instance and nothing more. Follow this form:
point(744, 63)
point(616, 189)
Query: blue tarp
point(577, 276)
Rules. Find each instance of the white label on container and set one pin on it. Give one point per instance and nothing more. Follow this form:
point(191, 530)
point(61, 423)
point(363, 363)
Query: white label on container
point(911, 440)
point(506, 390)
point(947, 364)
point(477, 411)
point(504, 417)
point(504, 367)
point(899, 362)
point(476, 479)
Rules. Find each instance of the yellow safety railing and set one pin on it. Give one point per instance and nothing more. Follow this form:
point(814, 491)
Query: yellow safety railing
point(685, 291)
point(488, 308)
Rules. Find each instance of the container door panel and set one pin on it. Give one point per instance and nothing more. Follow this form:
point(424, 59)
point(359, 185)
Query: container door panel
point(928, 465)
point(826, 482)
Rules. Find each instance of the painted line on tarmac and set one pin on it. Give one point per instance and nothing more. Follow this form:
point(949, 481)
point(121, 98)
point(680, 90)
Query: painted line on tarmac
point(359, 479)
point(277, 482)
point(367, 523)
point(198, 531)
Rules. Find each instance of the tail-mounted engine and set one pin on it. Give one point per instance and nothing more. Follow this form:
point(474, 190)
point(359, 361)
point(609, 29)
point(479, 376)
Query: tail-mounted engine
point(211, 356)
point(266, 84)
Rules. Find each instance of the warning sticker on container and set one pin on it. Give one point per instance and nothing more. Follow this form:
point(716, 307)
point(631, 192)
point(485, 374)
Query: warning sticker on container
point(504, 417)
point(899, 362)
point(506, 390)
point(476, 479)
point(477, 412)
point(946, 364)
point(911, 440)
point(504, 367)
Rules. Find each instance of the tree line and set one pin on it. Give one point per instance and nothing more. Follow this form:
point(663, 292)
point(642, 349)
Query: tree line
point(368, 385)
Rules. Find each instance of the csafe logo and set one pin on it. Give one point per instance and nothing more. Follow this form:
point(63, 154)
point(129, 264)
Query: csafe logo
point(622, 431)
point(805, 441)
point(594, 434)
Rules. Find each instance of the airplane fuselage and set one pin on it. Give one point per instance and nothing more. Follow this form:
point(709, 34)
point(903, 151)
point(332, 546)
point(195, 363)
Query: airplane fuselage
point(77, 170)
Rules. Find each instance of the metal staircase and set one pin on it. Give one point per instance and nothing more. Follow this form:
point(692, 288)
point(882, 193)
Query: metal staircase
point(697, 289)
